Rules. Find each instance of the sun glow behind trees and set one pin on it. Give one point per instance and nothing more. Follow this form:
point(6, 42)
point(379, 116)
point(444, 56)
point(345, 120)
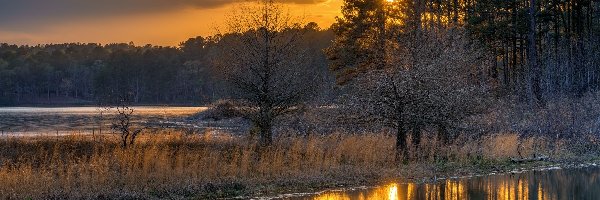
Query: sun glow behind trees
point(161, 27)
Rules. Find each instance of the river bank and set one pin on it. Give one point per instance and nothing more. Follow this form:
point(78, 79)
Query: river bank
point(171, 164)
point(551, 182)
point(430, 178)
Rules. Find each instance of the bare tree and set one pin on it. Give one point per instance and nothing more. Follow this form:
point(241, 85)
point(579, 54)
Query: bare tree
point(124, 125)
point(262, 58)
point(431, 81)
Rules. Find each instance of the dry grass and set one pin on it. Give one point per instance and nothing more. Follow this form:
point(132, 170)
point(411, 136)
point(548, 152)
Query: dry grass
point(175, 165)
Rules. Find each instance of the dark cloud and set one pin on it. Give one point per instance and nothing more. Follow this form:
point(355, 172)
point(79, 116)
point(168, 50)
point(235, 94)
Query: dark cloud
point(26, 14)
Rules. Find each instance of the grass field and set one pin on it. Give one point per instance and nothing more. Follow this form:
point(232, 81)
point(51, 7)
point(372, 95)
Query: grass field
point(172, 164)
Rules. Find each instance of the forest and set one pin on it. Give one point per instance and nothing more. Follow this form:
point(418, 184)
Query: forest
point(93, 74)
point(538, 49)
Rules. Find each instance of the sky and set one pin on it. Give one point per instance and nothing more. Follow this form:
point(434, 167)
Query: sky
point(156, 22)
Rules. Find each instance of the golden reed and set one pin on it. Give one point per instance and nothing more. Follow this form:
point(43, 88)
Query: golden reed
point(172, 164)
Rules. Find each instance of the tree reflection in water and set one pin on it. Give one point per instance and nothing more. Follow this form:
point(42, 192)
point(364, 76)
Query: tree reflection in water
point(541, 185)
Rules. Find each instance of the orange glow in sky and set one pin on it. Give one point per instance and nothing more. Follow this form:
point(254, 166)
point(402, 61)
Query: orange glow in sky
point(167, 28)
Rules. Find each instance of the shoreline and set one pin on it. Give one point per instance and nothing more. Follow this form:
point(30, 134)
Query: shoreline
point(538, 166)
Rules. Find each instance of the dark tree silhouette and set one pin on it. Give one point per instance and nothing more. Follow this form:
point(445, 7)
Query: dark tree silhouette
point(262, 57)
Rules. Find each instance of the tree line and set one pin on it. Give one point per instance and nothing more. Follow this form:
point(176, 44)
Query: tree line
point(391, 72)
point(89, 74)
point(429, 64)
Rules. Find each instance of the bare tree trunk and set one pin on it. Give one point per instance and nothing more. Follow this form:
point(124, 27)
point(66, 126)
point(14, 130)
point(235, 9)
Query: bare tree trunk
point(124, 139)
point(416, 135)
point(266, 134)
point(535, 91)
point(401, 150)
point(443, 135)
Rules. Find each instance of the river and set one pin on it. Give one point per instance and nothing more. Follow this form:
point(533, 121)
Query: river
point(69, 120)
point(547, 184)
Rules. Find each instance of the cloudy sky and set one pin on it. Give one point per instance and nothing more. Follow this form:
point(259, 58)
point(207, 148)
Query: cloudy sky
point(158, 22)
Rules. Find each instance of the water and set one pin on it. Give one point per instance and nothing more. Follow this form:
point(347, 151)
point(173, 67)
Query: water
point(582, 183)
point(69, 120)
point(96, 110)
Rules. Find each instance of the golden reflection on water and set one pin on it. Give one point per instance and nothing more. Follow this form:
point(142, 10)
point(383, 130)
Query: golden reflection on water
point(503, 189)
point(396, 192)
point(393, 192)
point(333, 196)
point(544, 185)
point(454, 190)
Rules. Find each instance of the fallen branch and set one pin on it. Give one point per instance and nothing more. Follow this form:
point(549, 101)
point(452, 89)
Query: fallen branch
point(533, 159)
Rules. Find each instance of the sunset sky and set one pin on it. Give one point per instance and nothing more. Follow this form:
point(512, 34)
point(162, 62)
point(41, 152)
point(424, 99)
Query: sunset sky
point(157, 22)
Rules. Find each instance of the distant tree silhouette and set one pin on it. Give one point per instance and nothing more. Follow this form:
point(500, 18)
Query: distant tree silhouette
point(75, 73)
